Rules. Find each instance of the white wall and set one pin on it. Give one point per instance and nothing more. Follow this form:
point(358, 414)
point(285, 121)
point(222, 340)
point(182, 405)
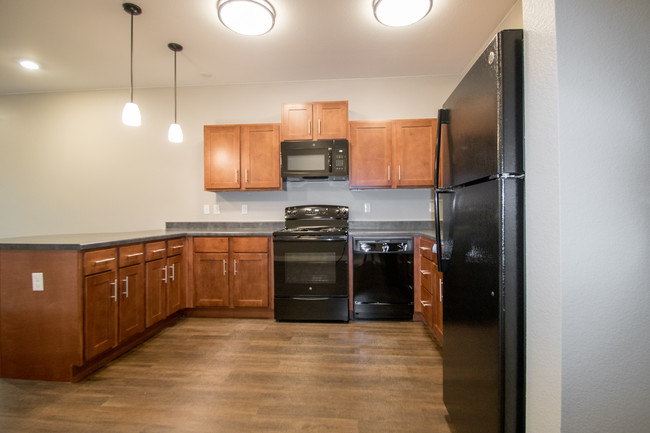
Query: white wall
point(588, 203)
point(68, 165)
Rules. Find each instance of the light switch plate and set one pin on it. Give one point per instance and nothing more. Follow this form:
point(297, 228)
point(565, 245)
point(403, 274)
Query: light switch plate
point(215, 209)
point(206, 209)
point(37, 282)
point(366, 207)
point(244, 209)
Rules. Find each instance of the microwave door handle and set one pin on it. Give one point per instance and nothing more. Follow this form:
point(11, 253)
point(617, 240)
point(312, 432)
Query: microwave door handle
point(329, 156)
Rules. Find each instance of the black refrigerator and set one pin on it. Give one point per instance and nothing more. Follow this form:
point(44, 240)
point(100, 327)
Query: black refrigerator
point(479, 212)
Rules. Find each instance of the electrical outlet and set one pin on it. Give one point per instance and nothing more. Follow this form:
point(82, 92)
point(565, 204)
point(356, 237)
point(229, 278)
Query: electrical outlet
point(366, 207)
point(206, 209)
point(215, 209)
point(37, 282)
point(244, 209)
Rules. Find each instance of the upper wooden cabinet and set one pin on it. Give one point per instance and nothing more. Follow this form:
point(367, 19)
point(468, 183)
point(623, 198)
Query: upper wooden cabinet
point(314, 120)
point(392, 153)
point(371, 154)
point(242, 157)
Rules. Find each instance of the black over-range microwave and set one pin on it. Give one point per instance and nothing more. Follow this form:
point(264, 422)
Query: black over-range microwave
point(313, 160)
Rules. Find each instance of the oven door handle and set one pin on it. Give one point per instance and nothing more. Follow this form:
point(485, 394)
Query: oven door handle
point(310, 299)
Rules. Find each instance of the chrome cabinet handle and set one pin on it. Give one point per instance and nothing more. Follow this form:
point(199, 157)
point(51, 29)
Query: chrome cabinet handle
point(104, 260)
point(389, 173)
point(425, 272)
point(173, 277)
point(246, 175)
point(165, 277)
point(399, 173)
point(235, 267)
point(309, 127)
point(114, 297)
point(224, 267)
point(318, 126)
point(126, 285)
point(441, 290)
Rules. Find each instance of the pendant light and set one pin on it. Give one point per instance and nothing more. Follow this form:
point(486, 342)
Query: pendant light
point(175, 134)
point(131, 112)
point(247, 17)
point(397, 13)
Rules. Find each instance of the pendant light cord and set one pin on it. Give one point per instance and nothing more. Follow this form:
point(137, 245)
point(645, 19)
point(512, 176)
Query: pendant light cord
point(131, 57)
point(175, 87)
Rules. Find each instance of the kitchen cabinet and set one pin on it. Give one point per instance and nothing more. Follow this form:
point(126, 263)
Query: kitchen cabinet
point(242, 157)
point(164, 273)
point(314, 120)
point(130, 291)
point(231, 272)
point(431, 293)
point(392, 153)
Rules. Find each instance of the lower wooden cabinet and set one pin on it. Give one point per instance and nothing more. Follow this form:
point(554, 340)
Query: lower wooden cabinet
point(231, 272)
point(164, 271)
point(431, 293)
point(100, 307)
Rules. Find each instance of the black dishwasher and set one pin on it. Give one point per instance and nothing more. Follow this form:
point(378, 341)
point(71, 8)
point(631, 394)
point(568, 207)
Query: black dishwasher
point(383, 278)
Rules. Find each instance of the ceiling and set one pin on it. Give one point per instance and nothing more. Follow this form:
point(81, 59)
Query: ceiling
point(84, 44)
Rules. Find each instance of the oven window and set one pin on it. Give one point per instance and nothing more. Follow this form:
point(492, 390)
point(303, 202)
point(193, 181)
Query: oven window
point(309, 162)
point(315, 267)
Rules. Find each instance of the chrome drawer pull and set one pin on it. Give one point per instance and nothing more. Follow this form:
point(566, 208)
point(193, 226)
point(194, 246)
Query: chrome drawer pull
point(159, 250)
point(134, 254)
point(105, 260)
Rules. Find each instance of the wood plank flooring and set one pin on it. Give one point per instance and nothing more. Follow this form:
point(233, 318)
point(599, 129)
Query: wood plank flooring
point(248, 375)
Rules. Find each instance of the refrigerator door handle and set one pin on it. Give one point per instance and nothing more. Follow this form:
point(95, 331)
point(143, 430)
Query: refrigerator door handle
point(443, 117)
point(442, 263)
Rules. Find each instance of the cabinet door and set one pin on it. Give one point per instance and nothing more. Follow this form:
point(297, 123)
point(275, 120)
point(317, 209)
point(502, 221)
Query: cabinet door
point(221, 157)
point(155, 293)
point(414, 151)
point(297, 121)
point(370, 154)
point(437, 304)
point(211, 280)
point(131, 305)
point(175, 278)
point(260, 147)
point(100, 318)
point(250, 282)
point(331, 120)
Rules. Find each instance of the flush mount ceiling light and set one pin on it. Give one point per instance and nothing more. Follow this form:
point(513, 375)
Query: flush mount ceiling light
point(397, 13)
point(131, 112)
point(175, 134)
point(247, 17)
point(29, 64)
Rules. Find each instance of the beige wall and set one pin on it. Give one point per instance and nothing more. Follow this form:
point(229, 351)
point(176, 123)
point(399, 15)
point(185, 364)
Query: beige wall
point(69, 165)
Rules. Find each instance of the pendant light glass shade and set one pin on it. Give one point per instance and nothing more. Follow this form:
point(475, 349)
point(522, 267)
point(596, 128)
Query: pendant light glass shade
point(397, 13)
point(247, 17)
point(131, 112)
point(175, 134)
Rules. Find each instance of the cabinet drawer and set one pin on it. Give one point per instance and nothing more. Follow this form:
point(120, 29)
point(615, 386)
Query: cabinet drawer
point(100, 261)
point(426, 301)
point(426, 273)
point(249, 245)
point(175, 246)
point(131, 255)
point(155, 250)
point(427, 248)
point(210, 245)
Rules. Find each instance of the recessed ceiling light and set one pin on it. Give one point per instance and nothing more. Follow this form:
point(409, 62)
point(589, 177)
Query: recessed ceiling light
point(247, 17)
point(28, 64)
point(397, 13)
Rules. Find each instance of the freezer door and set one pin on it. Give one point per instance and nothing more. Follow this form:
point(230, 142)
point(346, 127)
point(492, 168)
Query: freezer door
point(485, 115)
point(483, 307)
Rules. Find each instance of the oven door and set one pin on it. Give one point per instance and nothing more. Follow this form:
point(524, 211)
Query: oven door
point(306, 266)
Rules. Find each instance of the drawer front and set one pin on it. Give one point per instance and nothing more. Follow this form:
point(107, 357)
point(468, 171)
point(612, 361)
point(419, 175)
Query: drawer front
point(210, 245)
point(426, 248)
point(131, 255)
point(175, 246)
point(426, 273)
point(426, 299)
point(249, 245)
point(155, 250)
point(100, 261)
